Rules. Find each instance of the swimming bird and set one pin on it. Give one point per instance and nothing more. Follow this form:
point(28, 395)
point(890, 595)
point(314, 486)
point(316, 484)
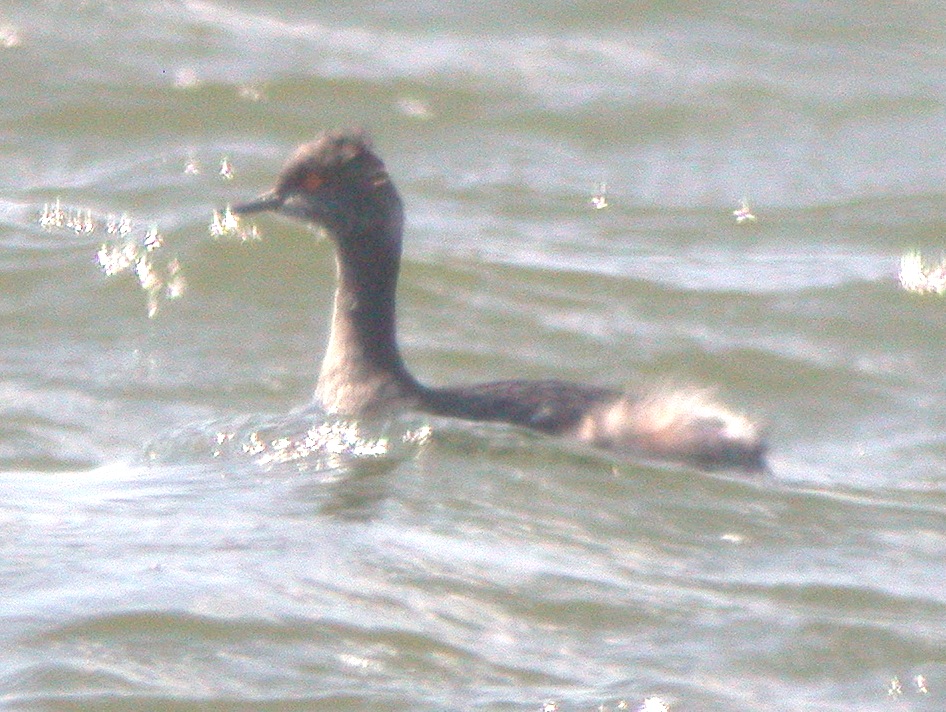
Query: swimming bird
point(338, 183)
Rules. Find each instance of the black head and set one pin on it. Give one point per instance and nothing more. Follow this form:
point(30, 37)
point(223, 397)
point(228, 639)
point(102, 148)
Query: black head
point(337, 182)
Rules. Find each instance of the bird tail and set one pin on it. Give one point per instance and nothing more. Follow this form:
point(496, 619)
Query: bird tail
point(681, 424)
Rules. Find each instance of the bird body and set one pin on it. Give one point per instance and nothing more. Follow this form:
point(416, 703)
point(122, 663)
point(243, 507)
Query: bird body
point(339, 183)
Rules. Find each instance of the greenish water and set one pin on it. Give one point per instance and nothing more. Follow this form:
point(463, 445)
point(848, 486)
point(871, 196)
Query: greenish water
point(183, 529)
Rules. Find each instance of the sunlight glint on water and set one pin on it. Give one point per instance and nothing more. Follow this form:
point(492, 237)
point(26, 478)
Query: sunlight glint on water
point(572, 177)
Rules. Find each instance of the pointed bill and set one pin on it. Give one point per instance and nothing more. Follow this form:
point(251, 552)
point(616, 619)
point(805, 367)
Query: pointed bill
point(267, 201)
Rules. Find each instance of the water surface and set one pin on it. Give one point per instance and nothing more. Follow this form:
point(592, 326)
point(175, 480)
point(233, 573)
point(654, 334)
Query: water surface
point(183, 529)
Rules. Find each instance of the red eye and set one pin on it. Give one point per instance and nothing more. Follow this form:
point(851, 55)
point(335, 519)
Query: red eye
point(312, 182)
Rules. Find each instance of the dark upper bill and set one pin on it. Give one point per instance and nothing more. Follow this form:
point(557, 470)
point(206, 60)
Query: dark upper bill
point(267, 201)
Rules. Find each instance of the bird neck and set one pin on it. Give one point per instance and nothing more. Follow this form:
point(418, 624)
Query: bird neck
point(362, 370)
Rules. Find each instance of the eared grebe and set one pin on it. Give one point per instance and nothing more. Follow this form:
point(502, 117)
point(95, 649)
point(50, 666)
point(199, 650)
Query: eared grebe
point(338, 183)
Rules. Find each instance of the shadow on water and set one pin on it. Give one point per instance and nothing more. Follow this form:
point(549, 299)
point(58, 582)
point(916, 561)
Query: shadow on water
point(356, 496)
